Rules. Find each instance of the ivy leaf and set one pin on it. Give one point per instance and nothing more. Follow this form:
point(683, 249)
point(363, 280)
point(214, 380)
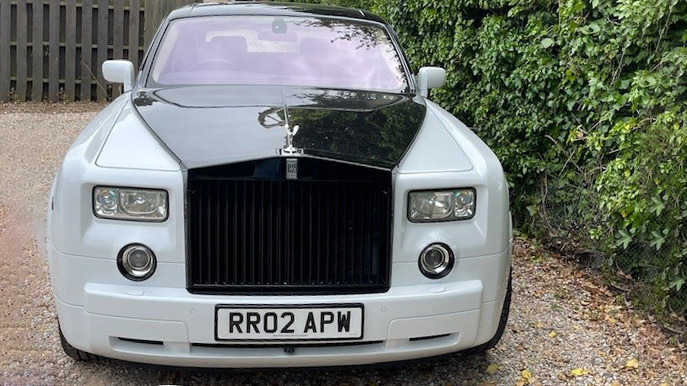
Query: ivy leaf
point(532, 210)
point(547, 42)
point(625, 239)
point(677, 284)
point(658, 240)
point(658, 206)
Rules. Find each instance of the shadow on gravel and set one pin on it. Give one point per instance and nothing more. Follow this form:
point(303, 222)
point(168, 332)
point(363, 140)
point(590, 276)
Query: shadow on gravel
point(455, 369)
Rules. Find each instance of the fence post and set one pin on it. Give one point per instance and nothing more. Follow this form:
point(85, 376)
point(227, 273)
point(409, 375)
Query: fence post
point(54, 50)
point(37, 51)
point(117, 39)
point(5, 64)
point(134, 34)
point(150, 15)
point(86, 64)
point(22, 56)
point(103, 20)
point(70, 51)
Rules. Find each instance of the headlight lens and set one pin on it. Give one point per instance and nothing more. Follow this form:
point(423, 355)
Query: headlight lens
point(441, 205)
point(130, 204)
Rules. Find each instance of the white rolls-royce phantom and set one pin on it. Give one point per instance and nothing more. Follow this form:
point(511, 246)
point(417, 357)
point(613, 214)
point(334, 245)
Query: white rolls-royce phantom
point(274, 189)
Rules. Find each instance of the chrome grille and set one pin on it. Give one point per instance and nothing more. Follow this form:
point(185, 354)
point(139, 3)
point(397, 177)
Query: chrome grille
point(250, 230)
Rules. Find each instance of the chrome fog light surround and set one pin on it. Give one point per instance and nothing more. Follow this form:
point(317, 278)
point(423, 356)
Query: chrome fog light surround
point(436, 261)
point(136, 262)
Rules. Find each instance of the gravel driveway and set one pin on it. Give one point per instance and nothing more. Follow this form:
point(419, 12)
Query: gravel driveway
point(566, 327)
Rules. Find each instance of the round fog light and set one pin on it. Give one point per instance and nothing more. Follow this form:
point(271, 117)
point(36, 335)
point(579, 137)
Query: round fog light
point(136, 262)
point(436, 261)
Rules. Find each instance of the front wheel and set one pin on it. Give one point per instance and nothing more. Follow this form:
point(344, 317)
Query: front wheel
point(502, 323)
point(72, 351)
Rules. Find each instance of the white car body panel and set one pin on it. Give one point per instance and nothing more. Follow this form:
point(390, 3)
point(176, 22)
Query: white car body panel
point(434, 150)
point(144, 151)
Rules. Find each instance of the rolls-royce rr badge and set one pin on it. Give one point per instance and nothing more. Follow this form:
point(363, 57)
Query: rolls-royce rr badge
point(291, 168)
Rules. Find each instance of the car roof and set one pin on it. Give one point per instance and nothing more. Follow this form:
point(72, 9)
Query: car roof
point(271, 9)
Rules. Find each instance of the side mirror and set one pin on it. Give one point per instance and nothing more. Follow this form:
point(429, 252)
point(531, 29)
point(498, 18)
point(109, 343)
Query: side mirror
point(429, 78)
point(120, 71)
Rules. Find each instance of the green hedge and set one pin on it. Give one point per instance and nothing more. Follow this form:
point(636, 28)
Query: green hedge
point(585, 104)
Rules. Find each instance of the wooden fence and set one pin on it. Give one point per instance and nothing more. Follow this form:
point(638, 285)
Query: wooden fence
point(53, 49)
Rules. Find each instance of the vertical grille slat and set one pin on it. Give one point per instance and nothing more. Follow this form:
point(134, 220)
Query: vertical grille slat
point(195, 199)
point(344, 232)
point(326, 232)
point(261, 245)
point(311, 219)
point(338, 236)
point(218, 240)
point(328, 241)
point(225, 214)
point(208, 240)
point(301, 226)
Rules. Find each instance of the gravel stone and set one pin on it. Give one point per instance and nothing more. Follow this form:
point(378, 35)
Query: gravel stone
point(563, 317)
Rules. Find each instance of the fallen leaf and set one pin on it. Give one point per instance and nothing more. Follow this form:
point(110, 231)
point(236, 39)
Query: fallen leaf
point(632, 364)
point(526, 375)
point(578, 372)
point(492, 368)
point(552, 334)
point(520, 383)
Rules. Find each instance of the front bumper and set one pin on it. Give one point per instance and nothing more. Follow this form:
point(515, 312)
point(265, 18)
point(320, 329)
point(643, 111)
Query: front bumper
point(169, 326)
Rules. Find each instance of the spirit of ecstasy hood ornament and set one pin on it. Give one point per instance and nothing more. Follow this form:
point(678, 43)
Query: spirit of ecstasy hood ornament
point(291, 132)
point(289, 149)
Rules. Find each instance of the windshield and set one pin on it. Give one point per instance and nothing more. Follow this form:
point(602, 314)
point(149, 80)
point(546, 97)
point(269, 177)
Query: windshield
point(290, 51)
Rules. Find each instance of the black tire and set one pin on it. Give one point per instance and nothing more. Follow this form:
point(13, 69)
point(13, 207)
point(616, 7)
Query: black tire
point(72, 351)
point(502, 324)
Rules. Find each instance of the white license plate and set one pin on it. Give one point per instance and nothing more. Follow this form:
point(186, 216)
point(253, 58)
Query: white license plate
point(293, 323)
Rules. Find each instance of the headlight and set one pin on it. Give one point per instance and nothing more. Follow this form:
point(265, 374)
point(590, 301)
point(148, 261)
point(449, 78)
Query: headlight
point(130, 204)
point(441, 205)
